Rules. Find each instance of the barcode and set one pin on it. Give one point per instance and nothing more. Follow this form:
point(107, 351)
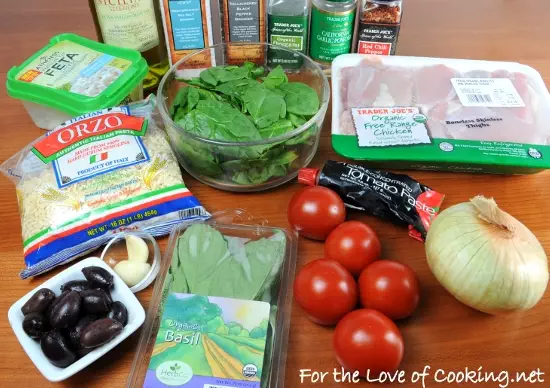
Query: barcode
point(193, 212)
point(479, 98)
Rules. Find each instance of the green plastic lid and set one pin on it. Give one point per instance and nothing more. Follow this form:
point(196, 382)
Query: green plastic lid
point(77, 75)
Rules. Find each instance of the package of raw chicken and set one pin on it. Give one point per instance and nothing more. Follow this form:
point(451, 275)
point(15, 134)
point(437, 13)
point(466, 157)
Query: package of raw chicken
point(441, 114)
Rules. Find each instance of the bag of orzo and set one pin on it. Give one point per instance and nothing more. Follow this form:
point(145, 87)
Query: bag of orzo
point(94, 176)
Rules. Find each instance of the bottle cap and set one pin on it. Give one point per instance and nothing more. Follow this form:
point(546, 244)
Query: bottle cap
point(308, 176)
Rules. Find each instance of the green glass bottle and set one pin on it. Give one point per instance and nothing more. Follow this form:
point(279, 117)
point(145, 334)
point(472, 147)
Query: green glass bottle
point(332, 24)
point(134, 24)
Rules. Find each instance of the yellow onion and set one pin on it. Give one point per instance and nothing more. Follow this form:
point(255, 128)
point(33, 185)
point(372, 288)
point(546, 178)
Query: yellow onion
point(486, 258)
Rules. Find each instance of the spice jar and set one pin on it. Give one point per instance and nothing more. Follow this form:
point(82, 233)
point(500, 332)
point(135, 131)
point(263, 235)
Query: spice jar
point(379, 24)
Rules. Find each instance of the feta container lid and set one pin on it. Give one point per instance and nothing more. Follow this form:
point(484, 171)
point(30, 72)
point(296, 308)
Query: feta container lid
point(440, 114)
point(77, 75)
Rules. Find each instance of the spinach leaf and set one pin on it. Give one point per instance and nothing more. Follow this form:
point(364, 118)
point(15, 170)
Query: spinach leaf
point(220, 74)
point(180, 100)
point(300, 98)
point(264, 106)
point(260, 174)
point(303, 137)
point(275, 78)
point(222, 121)
point(201, 158)
point(278, 128)
point(296, 120)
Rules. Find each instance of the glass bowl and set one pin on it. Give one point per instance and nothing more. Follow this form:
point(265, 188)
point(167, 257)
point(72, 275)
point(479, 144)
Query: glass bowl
point(253, 165)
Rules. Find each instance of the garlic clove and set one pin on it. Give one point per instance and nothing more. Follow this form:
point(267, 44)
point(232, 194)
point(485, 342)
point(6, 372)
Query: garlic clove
point(137, 248)
point(132, 272)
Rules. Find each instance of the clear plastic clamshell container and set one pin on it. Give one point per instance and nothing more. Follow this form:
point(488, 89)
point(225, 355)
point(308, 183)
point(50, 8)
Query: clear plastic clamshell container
point(220, 311)
point(440, 114)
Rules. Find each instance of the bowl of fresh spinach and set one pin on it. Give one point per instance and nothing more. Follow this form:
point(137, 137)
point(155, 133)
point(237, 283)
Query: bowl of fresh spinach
point(245, 125)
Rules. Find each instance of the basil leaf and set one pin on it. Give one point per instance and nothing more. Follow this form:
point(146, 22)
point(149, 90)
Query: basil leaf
point(300, 99)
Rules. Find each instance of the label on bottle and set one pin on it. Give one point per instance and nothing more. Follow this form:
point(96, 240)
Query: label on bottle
point(377, 39)
point(290, 32)
point(331, 34)
point(128, 23)
point(244, 25)
point(186, 17)
point(245, 22)
point(188, 27)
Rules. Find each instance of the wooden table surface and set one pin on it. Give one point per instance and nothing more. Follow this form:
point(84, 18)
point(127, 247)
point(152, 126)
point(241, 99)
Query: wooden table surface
point(443, 334)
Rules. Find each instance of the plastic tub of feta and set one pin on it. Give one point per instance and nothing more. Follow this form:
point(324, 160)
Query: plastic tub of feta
point(72, 76)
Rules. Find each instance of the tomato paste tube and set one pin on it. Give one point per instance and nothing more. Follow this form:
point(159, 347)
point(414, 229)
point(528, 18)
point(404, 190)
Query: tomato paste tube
point(394, 197)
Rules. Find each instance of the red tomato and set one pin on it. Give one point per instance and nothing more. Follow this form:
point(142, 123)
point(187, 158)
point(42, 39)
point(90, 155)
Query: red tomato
point(325, 291)
point(390, 287)
point(315, 211)
point(354, 245)
point(367, 340)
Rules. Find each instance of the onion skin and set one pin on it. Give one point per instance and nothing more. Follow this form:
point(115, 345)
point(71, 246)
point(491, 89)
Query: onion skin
point(486, 258)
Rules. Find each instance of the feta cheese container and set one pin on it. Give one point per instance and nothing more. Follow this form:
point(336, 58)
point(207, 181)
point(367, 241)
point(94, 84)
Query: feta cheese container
point(72, 76)
point(440, 114)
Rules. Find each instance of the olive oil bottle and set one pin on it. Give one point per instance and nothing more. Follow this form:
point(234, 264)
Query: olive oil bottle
point(134, 24)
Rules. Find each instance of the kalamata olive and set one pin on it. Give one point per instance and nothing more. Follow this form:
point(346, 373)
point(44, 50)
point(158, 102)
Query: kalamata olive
point(35, 325)
point(39, 302)
point(76, 285)
point(96, 301)
point(119, 313)
point(99, 277)
point(56, 349)
point(54, 303)
point(76, 331)
point(66, 311)
point(100, 332)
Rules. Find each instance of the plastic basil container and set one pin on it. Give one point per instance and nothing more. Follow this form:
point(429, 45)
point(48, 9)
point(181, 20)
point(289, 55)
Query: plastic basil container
point(244, 166)
point(237, 227)
point(72, 76)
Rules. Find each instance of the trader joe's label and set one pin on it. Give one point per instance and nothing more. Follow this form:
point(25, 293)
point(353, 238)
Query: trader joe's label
point(289, 32)
point(209, 342)
point(93, 144)
point(331, 34)
point(383, 127)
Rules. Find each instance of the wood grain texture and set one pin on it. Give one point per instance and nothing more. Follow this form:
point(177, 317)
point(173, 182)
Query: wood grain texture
point(443, 333)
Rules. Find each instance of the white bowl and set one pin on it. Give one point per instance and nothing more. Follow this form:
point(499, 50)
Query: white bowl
point(120, 292)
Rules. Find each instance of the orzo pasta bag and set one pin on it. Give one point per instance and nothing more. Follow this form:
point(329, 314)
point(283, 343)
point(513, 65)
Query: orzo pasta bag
point(94, 176)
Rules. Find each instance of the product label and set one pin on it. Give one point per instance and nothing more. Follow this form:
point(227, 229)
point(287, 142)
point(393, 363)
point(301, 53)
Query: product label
point(383, 127)
point(188, 26)
point(93, 144)
point(290, 32)
point(209, 342)
point(187, 31)
point(487, 92)
point(244, 23)
point(377, 39)
point(129, 23)
point(74, 68)
point(331, 34)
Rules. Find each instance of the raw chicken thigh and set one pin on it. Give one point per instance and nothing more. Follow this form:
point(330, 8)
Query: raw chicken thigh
point(374, 84)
